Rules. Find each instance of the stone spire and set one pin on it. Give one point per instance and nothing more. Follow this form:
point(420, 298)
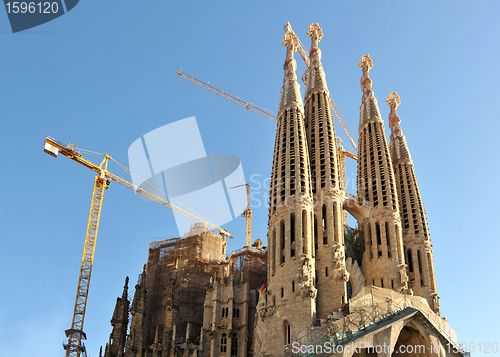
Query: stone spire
point(329, 246)
point(290, 92)
point(417, 244)
point(369, 106)
point(399, 148)
point(316, 80)
point(383, 260)
point(290, 272)
point(119, 321)
point(137, 310)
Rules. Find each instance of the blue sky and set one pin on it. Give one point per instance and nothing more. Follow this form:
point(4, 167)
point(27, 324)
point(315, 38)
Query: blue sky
point(104, 74)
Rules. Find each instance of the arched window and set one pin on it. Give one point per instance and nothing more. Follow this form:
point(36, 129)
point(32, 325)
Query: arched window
point(286, 333)
point(420, 268)
point(234, 345)
point(388, 239)
point(379, 239)
point(410, 261)
point(223, 343)
point(323, 216)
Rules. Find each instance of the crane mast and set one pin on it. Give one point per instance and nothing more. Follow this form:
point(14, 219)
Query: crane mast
point(75, 334)
point(247, 213)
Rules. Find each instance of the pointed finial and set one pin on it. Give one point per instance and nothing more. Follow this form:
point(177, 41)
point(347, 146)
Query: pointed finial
point(291, 42)
point(394, 101)
point(366, 65)
point(125, 289)
point(315, 33)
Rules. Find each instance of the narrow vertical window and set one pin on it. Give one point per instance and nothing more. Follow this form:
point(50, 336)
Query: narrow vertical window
point(292, 234)
point(388, 240)
point(282, 233)
point(286, 333)
point(234, 345)
point(326, 271)
point(379, 239)
point(282, 240)
point(420, 268)
point(223, 343)
point(293, 286)
point(410, 261)
point(323, 216)
point(304, 231)
point(273, 252)
point(282, 292)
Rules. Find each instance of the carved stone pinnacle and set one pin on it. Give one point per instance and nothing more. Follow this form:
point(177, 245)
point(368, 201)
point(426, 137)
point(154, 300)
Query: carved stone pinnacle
point(366, 63)
point(393, 100)
point(315, 32)
point(290, 42)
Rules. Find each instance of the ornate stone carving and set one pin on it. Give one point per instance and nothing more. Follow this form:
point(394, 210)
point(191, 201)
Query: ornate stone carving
point(366, 65)
point(394, 101)
point(315, 33)
point(339, 257)
point(306, 272)
point(308, 291)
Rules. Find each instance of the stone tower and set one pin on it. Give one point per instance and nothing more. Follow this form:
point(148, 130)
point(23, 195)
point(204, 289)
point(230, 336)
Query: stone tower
point(331, 275)
point(119, 321)
point(291, 270)
point(417, 244)
point(383, 260)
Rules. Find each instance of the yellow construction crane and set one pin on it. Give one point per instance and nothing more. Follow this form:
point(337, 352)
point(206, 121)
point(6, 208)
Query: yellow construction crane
point(248, 214)
point(341, 152)
point(305, 57)
point(228, 96)
point(74, 347)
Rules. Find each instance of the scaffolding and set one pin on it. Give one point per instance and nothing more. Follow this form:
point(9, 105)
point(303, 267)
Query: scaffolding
point(177, 272)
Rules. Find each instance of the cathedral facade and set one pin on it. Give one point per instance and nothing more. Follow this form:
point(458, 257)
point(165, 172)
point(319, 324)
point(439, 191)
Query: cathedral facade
point(318, 283)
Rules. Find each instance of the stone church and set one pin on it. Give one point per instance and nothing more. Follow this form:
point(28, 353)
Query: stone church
point(319, 287)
